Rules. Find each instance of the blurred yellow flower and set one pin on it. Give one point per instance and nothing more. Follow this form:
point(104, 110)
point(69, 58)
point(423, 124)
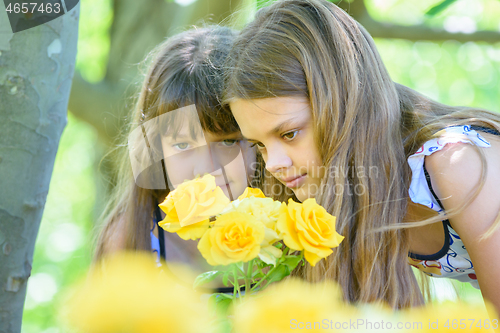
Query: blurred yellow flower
point(234, 237)
point(189, 207)
point(291, 305)
point(251, 192)
point(453, 317)
point(308, 227)
point(129, 293)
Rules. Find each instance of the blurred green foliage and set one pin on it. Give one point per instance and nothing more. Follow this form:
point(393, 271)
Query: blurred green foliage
point(462, 15)
point(440, 7)
point(96, 17)
point(450, 72)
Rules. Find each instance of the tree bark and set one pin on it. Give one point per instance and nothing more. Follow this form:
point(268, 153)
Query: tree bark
point(35, 81)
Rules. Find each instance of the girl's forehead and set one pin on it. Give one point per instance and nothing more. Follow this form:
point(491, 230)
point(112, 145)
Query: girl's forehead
point(269, 114)
point(218, 136)
point(272, 107)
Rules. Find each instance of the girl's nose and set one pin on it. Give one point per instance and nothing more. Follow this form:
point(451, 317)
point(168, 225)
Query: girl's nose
point(277, 159)
point(203, 162)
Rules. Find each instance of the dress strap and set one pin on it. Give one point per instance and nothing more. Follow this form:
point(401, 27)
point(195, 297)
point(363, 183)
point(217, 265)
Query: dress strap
point(161, 237)
point(485, 129)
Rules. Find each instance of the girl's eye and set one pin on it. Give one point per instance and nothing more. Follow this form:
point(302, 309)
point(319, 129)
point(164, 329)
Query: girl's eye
point(229, 142)
point(290, 135)
point(258, 144)
point(181, 146)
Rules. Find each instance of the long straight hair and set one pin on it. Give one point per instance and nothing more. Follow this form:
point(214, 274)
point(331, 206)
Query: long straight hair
point(362, 121)
point(186, 69)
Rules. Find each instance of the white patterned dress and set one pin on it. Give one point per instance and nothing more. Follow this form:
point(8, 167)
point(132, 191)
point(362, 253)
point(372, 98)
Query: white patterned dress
point(452, 261)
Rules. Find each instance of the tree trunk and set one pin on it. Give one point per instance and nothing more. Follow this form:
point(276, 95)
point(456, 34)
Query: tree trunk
point(36, 69)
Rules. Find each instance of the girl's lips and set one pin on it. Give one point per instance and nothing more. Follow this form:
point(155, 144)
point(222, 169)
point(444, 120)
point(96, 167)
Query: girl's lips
point(296, 182)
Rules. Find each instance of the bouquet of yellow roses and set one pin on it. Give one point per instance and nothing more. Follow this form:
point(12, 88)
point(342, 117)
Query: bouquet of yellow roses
point(255, 239)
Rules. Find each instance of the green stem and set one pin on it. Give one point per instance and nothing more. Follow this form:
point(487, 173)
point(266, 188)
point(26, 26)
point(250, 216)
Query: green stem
point(260, 281)
point(265, 286)
point(248, 277)
point(283, 256)
point(236, 284)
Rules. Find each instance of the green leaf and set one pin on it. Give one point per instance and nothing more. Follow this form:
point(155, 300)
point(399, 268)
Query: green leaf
point(223, 306)
point(219, 304)
point(292, 261)
point(257, 274)
point(240, 267)
point(262, 264)
point(205, 278)
point(221, 296)
point(279, 273)
point(439, 7)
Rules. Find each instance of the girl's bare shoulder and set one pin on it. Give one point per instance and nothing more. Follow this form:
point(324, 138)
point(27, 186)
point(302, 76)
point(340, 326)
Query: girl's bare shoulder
point(455, 172)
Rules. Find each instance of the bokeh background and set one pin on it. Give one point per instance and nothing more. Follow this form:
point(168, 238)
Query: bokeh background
point(115, 35)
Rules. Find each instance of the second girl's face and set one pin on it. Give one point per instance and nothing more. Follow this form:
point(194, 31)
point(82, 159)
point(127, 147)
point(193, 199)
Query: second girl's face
point(225, 156)
point(281, 128)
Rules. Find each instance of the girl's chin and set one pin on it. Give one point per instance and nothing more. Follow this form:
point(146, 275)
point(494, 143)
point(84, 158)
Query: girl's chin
point(302, 194)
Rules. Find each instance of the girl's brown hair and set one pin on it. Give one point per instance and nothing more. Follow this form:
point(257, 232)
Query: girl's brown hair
point(186, 69)
point(362, 120)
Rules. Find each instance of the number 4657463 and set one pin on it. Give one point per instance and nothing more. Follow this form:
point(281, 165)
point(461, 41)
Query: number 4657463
point(470, 323)
point(32, 7)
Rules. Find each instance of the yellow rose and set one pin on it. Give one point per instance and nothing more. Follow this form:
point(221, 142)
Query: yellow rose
point(251, 192)
point(266, 210)
point(308, 227)
point(171, 223)
point(129, 293)
point(189, 207)
point(234, 237)
point(292, 305)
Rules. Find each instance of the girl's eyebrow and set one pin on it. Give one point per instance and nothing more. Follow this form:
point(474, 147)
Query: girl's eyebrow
point(229, 136)
point(183, 136)
point(279, 128)
point(179, 136)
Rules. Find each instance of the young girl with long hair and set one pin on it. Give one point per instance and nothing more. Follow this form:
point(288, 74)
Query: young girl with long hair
point(412, 182)
point(178, 130)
